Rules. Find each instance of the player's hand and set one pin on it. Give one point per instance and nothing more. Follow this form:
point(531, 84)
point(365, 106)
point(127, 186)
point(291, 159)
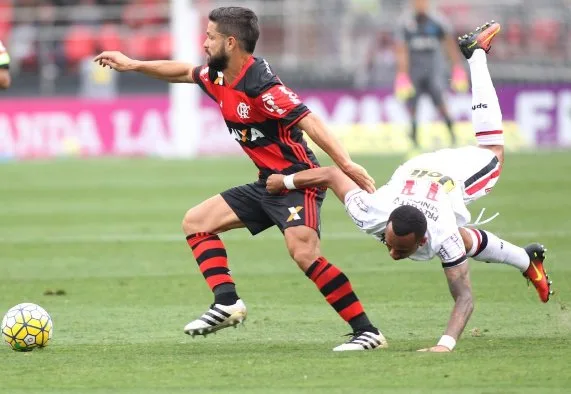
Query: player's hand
point(459, 81)
point(360, 176)
point(275, 183)
point(404, 88)
point(436, 349)
point(116, 61)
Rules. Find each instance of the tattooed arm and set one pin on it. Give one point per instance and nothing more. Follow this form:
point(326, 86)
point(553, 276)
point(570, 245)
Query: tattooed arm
point(461, 290)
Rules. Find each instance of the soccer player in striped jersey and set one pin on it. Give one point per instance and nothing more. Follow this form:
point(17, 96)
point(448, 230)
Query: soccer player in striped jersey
point(266, 118)
point(421, 212)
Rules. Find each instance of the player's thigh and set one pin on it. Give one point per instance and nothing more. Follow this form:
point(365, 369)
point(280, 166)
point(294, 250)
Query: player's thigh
point(478, 170)
point(213, 215)
point(297, 214)
point(246, 202)
point(295, 208)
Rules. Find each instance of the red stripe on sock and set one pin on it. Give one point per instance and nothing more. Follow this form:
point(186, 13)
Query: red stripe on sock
point(216, 280)
point(213, 262)
point(320, 267)
point(352, 311)
point(195, 239)
point(198, 241)
point(478, 236)
point(327, 276)
point(339, 293)
point(206, 245)
point(481, 133)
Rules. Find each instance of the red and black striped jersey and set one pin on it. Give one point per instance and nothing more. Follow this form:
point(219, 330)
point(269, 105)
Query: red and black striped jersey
point(261, 114)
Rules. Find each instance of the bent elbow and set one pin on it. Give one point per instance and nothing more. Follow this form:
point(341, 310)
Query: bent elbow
point(330, 175)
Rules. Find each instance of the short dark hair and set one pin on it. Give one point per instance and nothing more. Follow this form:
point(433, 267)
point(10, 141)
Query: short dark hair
point(407, 219)
point(238, 22)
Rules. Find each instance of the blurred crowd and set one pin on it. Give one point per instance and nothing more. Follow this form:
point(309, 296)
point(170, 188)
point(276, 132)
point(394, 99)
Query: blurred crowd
point(49, 37)
point(64, 32)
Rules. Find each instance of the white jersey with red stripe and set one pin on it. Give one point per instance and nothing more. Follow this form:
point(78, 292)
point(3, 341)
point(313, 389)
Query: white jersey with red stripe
point(440, 184)
point(370, 212)
point(473, 170)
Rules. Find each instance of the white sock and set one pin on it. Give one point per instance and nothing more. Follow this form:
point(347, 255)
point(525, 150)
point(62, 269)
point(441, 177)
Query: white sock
point(491, 249)
point(486, 112)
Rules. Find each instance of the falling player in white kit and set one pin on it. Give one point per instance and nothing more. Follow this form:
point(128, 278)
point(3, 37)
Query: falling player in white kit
point(421, 212)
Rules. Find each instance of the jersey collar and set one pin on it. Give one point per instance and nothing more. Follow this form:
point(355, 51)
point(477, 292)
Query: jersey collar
point(245, 68)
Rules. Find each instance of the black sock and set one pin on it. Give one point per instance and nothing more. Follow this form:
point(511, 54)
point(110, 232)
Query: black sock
point(362, 323)
point(225, 294)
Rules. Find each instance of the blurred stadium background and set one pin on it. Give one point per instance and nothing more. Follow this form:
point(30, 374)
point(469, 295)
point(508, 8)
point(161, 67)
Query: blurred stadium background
point(338, 55)
point(98, 243)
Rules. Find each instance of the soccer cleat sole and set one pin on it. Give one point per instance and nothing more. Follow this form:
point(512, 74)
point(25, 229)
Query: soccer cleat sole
point(233, 321)
point(481, 37)
point(539, 255)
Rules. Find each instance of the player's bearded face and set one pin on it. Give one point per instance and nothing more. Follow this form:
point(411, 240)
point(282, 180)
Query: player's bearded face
point(218, 60)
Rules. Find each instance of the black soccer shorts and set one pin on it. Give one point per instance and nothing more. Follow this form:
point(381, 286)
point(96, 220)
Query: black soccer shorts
point(260, 210)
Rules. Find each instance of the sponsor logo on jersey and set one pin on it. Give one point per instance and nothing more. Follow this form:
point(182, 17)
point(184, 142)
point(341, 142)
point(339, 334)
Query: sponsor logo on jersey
point(243, 110)
point(428, 209)
point(204, 74)
point(477, 106)
point(292, 96)
point(243, 135)
point(294, 213)
point(270, 104)
point(219, 79)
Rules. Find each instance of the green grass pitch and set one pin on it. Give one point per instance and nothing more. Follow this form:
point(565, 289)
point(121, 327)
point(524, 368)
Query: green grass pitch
point(107, 232)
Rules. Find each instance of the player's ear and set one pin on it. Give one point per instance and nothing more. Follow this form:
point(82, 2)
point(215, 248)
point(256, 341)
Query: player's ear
point(231, 43)
point(422, 241)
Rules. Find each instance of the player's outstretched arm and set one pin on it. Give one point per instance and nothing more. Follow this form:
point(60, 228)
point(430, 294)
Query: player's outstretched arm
point(316, 129)
point(166, 70)
point(330, 177)
point(461, 290)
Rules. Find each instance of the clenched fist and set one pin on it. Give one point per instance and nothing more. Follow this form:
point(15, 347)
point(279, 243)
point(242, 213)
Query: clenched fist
point(275, 183)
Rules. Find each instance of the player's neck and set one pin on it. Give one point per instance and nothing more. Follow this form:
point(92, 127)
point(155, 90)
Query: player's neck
point(235, 66)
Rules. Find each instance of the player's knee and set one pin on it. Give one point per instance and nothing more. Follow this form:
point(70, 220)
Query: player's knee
point(304, 257)
point(192, 223)
point(303, 246)
point(498, 150)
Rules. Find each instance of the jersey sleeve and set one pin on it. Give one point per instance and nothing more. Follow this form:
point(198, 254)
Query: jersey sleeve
point(4, 57)
point(452, 251)
point(279, 102)
point(206, 79)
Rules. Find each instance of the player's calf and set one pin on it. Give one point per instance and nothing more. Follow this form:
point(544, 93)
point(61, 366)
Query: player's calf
point(485, 246)
point(486, 111)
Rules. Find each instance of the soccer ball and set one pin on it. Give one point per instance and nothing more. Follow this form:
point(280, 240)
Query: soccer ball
point(26, 327)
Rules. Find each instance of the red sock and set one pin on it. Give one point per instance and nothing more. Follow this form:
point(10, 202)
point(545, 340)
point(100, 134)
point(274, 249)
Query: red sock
point(338, 292)
point(210, 254)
